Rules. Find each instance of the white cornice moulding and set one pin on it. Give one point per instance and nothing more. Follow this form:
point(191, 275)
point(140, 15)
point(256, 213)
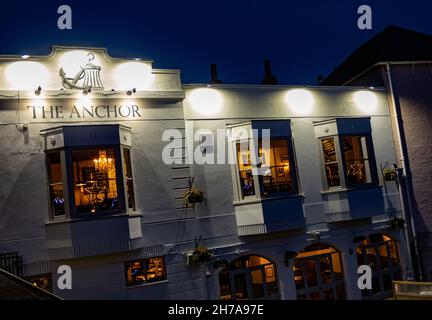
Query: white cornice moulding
point(94, 95)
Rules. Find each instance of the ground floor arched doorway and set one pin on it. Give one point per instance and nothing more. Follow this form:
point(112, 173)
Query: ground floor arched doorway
point(318, 273)
point(249, 277)
point(380, 252)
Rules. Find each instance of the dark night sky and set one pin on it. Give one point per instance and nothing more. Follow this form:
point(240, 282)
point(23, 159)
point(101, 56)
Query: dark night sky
point(301, 38)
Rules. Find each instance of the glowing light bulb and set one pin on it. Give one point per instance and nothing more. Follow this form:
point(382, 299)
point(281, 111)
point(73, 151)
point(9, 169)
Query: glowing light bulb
point(300, 101)
point(26, 75)
point(366, 100)
point(206, 101)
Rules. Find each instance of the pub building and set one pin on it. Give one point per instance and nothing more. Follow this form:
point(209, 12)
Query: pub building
point(85, 183)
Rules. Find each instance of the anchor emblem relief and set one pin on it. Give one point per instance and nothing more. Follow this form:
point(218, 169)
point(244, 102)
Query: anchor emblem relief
point(88, 77)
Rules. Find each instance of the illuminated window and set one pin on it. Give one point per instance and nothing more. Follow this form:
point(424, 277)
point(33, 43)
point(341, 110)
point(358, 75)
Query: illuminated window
point(89, 170)
point(245, 169)
point(356, 160)
point(145, 271)
point(56, 184)
point(277, 176)
point(127, 172)
point(95, 183)
point(276, 173)
point(347, 153)
point(42, 281)
point(380, 252)
point(249, 277)
point(353, 160)
point(331, 164)
point(318, 273)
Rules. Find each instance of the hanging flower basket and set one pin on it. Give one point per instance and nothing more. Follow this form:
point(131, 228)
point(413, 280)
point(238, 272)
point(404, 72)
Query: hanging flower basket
point(194, 195)
point(389, 174)
point(200, 254)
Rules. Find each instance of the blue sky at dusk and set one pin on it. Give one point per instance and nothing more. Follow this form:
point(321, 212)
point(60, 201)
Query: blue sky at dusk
point(301, 38)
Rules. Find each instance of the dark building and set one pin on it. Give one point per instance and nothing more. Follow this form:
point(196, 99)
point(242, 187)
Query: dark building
point(401, 61)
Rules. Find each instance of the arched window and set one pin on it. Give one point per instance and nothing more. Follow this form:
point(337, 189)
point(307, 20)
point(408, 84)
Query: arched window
point(318, 273)
point(249, 277)
point(381, 254)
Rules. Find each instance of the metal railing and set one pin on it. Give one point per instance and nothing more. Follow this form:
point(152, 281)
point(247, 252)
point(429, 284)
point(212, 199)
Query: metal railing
point(12, 263)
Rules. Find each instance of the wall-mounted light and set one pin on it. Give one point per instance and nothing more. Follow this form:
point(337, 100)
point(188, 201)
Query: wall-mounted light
point(300, 101)
point(206, 101)
point(130, 92)
point(38, 91)
point(25, 56)
point(26, 75)
point(86, 91)
point(133, 74)
point(22, 127)
point(366, 100)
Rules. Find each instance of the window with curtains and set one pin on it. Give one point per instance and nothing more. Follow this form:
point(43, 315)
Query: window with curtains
point(347, 160)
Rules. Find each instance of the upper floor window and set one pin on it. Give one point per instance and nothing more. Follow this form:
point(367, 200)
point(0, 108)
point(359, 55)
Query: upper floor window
point(263, 169)
point(127, 171)
point(56, 186)
point(347, 153)
point(95, 180)
point(356, 160)
point(331, 163)
point(277, 175)
point(244, 162)
point(89, 170)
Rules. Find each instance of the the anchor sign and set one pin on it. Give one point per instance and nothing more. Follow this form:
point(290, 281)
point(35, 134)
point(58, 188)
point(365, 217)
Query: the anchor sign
point(88, 77)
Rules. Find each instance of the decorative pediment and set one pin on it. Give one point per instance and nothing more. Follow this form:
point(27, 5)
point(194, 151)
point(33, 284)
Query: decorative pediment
point(85, 69)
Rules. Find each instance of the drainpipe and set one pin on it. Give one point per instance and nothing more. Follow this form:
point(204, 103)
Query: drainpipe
point(409, 228)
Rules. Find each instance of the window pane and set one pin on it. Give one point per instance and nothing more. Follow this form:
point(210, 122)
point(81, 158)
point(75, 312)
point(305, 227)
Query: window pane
point(245, 169)
point(298, 274)
point(356, 160)
point(95, 184)
point(224, 286)
point(277, 170)
point(257, 283)
point(330, 163)
point(42, 281)
point(240, 286)
point(127, 171)
point(56, 184)
point(145, 271)
point(270, 274)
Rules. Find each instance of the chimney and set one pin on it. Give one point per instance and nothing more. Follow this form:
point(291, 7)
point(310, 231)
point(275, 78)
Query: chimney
point(213, 70)
point(268, 77)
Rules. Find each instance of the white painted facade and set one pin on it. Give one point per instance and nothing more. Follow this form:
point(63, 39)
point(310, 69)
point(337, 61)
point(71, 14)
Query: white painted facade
point(97, 248)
